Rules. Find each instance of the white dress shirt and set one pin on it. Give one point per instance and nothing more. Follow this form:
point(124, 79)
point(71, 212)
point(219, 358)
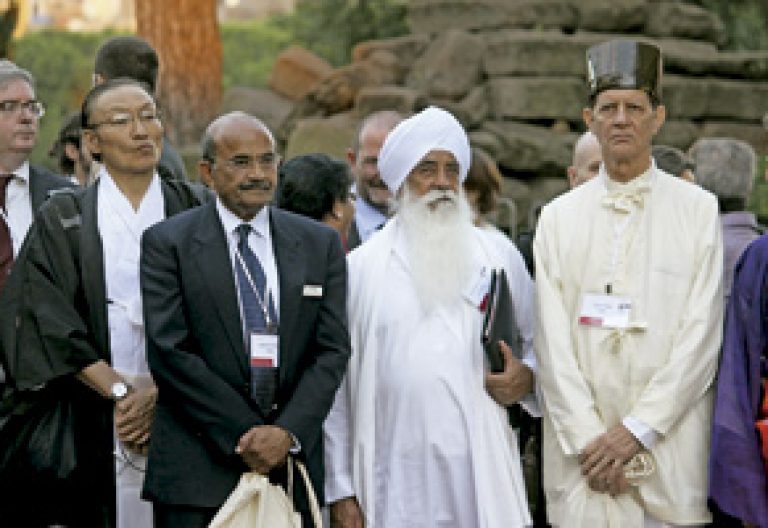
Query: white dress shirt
point(260, 242)
point(18, 204)
point(368, 219)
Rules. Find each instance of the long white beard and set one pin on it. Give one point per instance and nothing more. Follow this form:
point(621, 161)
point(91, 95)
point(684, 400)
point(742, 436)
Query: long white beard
point(439, 244)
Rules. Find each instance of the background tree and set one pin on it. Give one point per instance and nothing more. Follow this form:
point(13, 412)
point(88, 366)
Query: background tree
point(744, 22)
point(185, 34)
point(331, 28)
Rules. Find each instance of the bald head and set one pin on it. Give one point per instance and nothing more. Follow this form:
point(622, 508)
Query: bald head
point(586, 160)
point(225, 122)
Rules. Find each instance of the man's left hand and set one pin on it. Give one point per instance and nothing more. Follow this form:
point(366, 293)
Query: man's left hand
point(511, 384)
point(264, 447)
point(609, 451)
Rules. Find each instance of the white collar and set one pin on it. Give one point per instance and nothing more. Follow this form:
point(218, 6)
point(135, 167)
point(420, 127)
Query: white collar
point(230, 221)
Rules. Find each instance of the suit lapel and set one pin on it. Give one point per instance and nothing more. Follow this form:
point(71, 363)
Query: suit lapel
point(37, 189)
point(92, 269)
point(290, 269)
point(211, 254)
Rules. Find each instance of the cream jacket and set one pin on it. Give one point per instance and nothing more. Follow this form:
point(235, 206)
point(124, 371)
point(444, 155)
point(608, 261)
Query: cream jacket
point(664, 254)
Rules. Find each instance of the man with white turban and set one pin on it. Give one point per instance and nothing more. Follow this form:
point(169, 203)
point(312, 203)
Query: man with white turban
point(418, 435)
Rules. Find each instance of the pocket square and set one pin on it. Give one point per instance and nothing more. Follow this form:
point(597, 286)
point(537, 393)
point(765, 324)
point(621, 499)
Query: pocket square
point(313, 290)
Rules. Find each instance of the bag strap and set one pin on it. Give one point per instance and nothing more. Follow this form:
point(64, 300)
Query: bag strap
point(314, 506)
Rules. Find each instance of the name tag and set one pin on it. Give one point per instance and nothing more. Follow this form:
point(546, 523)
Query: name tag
point(478, 287)
point(605, 311)
point(312, 290)
point(265, 350)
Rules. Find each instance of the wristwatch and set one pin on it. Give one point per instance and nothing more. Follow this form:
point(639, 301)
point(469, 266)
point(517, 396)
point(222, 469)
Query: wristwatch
point(119, 391)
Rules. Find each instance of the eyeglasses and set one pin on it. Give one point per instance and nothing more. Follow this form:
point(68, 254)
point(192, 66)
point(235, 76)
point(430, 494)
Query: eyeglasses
point(13, 106)
point(266, 162)
point(147, 117)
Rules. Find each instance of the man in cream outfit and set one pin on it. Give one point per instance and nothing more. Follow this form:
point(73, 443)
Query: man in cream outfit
point(629, 272)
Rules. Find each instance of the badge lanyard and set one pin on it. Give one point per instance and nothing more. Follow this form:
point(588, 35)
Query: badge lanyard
point(252, 284)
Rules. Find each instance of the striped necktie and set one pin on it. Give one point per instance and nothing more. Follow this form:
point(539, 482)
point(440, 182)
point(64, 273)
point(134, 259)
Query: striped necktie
point(263, 379)
point(6, 244)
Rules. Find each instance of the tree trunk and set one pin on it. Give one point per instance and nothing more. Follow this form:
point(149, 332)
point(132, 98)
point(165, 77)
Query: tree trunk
point(185, 34)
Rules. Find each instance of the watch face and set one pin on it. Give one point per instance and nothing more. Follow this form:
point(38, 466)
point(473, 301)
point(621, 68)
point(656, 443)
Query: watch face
point(119, 390)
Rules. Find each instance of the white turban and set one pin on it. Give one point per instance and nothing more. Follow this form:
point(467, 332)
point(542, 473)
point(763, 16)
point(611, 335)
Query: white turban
point(414, 138)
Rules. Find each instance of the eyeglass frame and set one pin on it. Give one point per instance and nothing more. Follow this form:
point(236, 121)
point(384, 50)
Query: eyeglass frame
point(132, 117)
point(252, 161)
point(17, 105)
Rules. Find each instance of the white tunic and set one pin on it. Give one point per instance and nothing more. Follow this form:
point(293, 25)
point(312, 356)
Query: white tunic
point(665, 254)
point(413, 433)
point(120, 228)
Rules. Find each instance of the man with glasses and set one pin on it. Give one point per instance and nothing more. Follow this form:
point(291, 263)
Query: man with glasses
point(246, 332)
point(23, 187)
point(73, 323)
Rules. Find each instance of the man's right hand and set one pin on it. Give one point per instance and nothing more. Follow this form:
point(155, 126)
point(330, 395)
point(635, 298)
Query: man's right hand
point(346, 513)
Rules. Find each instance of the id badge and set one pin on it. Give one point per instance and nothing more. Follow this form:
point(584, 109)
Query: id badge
point(265, 350)
point(605, 311)
point(478, 287)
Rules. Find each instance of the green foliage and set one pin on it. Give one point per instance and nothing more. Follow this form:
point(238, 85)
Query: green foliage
point(62, 64)
point(331, 28)
point(249, 51)
point(744, 22)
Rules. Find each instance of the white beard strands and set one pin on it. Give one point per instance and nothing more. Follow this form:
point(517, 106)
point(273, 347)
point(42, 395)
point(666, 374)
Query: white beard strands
point(439, 242)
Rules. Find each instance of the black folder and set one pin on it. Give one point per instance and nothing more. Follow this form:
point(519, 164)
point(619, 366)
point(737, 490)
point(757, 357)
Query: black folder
point(500, 322)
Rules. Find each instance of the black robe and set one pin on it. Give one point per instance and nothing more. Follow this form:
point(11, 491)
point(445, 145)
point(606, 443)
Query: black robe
point(53, 323)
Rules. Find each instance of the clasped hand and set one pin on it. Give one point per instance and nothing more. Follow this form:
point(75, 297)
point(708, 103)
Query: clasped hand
point(133, 418)
point(602, 461)
point(264, 447)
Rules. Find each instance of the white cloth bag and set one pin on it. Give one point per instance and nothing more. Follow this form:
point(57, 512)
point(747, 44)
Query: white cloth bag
point(256, 503)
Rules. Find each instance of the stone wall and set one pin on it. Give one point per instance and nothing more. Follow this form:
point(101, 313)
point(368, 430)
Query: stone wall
point(512, 71)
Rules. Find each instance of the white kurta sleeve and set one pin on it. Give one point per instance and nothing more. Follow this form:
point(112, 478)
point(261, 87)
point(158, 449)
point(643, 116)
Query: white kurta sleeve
point(692, 364)
point(337, 435)
point(565, 393)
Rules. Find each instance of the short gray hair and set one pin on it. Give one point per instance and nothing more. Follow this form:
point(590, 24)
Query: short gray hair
point(9, 72)
point(724, 166)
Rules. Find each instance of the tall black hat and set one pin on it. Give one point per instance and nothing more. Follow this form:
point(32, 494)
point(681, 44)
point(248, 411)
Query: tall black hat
point(624, 64)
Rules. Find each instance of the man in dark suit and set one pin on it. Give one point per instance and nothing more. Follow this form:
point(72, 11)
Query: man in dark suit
point(23, 188)
point(247, 337)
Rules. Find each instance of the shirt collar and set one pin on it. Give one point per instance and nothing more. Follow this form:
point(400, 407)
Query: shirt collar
point(230, 221)
point(644, 179)
point(22, 172)
point(367, 217)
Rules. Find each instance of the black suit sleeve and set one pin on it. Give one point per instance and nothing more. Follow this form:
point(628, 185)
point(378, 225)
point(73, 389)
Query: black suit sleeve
point(203, 400)
point(306, 410)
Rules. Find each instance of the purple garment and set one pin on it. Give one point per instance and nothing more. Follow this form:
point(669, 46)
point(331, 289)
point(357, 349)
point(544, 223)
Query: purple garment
point(738, 482)
point(739, 230)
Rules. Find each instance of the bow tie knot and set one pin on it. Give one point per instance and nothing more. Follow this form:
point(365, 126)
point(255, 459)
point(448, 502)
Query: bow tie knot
point(623, 200)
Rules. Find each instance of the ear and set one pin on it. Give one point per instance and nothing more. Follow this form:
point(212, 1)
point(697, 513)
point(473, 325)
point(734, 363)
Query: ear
point(659, 118)
point(571, 170)
point(589, 118)
point(71, 151)
point(206, 174)
point(90, 139)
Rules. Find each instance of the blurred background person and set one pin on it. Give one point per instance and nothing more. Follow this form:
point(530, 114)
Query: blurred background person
point(373, 197)
point(674, 161)
point(72, 157)
point(586, 160)
point(482, 187)
point(726, 168)
point(318, 186)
